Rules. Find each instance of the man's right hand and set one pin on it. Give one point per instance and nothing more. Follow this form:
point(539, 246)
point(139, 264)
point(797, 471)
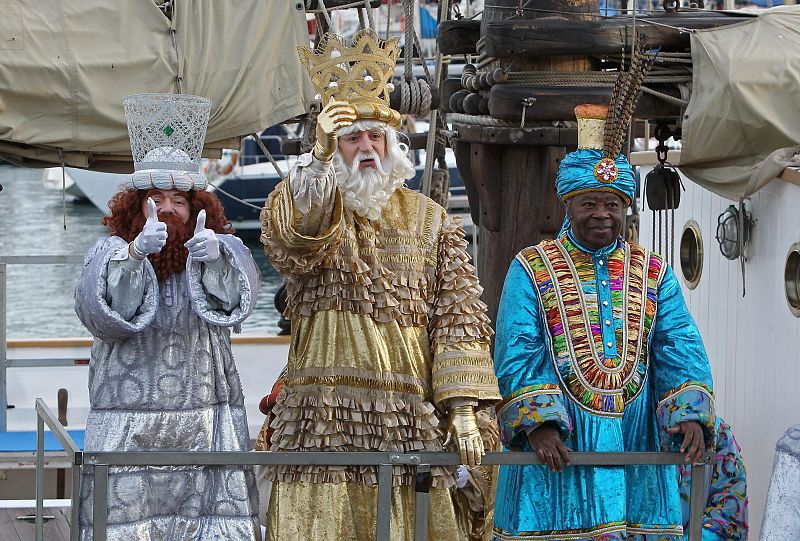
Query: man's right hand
point(335, 115)
point(546, 441)
point(153, 236)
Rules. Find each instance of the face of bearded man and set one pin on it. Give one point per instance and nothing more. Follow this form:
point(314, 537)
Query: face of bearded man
point(366, 190)
point(172, 257)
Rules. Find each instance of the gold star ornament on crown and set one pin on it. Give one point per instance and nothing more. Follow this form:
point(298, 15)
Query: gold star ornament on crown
point(358, 73)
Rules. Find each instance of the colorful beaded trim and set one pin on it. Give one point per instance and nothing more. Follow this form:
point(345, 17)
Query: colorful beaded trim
point(611, 531)
point(566, 282)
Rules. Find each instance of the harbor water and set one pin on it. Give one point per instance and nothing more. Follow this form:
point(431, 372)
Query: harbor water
point(40, 297)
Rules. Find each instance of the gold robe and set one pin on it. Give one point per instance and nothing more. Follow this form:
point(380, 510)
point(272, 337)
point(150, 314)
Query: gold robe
point(387, 327)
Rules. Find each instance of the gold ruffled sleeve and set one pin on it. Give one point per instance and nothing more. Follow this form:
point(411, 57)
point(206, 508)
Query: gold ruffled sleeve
point(459, 326)
point(295, 243)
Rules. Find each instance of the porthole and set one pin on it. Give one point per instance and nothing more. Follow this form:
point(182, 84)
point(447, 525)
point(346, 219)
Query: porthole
point(791, 279)
point(691, 254)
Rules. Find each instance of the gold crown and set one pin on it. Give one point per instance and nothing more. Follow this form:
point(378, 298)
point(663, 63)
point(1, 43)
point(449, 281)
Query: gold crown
point(357, 73)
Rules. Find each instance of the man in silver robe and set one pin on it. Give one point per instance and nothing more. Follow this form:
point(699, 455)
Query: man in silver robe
point(160, 295)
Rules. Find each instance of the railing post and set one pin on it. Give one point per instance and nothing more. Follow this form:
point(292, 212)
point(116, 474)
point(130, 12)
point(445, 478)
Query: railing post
point(100, 505)
point(74, 512)
point(39, 478)
point(3, 350)
point(383, 520)
point(697, 500)
point(422, 491)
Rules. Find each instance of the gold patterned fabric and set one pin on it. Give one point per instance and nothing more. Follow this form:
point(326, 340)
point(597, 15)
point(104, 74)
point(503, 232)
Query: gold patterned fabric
point(345, 512)
point(387, 327)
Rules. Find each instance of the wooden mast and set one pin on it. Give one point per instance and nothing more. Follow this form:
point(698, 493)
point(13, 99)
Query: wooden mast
point(510, 171)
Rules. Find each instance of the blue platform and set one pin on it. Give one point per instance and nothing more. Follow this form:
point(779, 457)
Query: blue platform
point(25, 442)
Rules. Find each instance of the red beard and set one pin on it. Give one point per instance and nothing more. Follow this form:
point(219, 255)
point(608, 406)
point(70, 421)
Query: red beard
point(172, 257)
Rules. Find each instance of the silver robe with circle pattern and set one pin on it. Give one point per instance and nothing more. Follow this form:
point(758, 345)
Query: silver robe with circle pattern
point(162, 377)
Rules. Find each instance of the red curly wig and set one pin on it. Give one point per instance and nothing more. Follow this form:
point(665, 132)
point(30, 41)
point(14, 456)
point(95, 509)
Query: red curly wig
point(127, 220)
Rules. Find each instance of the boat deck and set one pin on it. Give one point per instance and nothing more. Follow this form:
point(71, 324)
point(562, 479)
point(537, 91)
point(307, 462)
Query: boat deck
point(13, 527)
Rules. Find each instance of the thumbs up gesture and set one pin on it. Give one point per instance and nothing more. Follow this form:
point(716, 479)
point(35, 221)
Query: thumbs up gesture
point(153, 236)
point(203, 246)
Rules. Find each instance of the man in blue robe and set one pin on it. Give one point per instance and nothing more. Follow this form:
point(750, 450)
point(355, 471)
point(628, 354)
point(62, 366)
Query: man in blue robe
point(596, 351)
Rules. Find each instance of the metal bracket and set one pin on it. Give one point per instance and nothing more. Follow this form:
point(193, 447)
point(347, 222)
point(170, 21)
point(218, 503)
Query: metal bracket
point(662, 133)
point(526, 102)
point(412, 460)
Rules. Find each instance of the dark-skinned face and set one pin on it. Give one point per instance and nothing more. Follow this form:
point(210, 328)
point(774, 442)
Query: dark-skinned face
point(597, 218)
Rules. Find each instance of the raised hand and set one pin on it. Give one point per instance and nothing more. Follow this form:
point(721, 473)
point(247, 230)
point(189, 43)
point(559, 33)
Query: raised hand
point(335, 115)
point(153, 236)
point(204, 245)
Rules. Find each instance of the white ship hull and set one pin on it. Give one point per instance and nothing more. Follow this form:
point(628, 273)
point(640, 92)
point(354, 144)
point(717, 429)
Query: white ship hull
point(753, 341)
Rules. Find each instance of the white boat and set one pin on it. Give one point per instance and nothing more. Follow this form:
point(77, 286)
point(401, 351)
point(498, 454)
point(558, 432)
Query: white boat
point(55, 178)
point(748, 321)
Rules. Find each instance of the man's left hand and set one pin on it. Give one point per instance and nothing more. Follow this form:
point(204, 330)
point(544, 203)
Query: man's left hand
point(204, 245)
point(693, 439)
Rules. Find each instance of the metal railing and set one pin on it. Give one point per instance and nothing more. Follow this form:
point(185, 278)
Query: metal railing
point(102, 461)
point(5, 363)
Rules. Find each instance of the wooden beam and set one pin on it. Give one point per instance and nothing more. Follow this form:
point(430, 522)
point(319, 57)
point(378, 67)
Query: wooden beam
point(791, 174)
point(529, 136)
point(547, 37)
point(648, 157)
point(558, 103)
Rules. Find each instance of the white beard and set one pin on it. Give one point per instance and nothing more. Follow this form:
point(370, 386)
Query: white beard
point(366, 191)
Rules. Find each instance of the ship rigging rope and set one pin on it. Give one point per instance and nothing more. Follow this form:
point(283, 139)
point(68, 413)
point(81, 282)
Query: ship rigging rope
point(481, 120)
point(368, 9)
point(415, 94)
point(271, 159)
point(584, 78)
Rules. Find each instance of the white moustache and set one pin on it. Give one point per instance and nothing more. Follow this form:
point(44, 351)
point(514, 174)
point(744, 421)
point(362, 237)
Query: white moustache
point(364, 156)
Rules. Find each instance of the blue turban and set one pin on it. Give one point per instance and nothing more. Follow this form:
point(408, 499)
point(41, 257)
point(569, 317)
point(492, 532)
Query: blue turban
point(576, 174)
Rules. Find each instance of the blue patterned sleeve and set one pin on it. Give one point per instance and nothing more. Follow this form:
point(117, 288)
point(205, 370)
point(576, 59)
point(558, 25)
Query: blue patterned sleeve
point(725, 514)
point(680, 368)
point(528, 382)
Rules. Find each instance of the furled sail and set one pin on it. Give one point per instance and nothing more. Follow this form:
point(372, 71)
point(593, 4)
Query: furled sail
point(742, 125)
point(65, 66)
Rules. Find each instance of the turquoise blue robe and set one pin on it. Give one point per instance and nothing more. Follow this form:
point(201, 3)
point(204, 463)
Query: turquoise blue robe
point(602, 344)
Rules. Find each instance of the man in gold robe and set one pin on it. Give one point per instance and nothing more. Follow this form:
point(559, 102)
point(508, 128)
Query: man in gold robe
point(390, 341)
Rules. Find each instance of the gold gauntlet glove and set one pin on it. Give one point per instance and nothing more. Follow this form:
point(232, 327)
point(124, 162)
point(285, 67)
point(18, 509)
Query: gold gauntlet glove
point(464, 429)
point(335, 115)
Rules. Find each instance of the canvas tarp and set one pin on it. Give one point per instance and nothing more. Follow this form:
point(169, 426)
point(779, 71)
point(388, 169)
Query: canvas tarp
point(65, 67)
point(743, 119)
